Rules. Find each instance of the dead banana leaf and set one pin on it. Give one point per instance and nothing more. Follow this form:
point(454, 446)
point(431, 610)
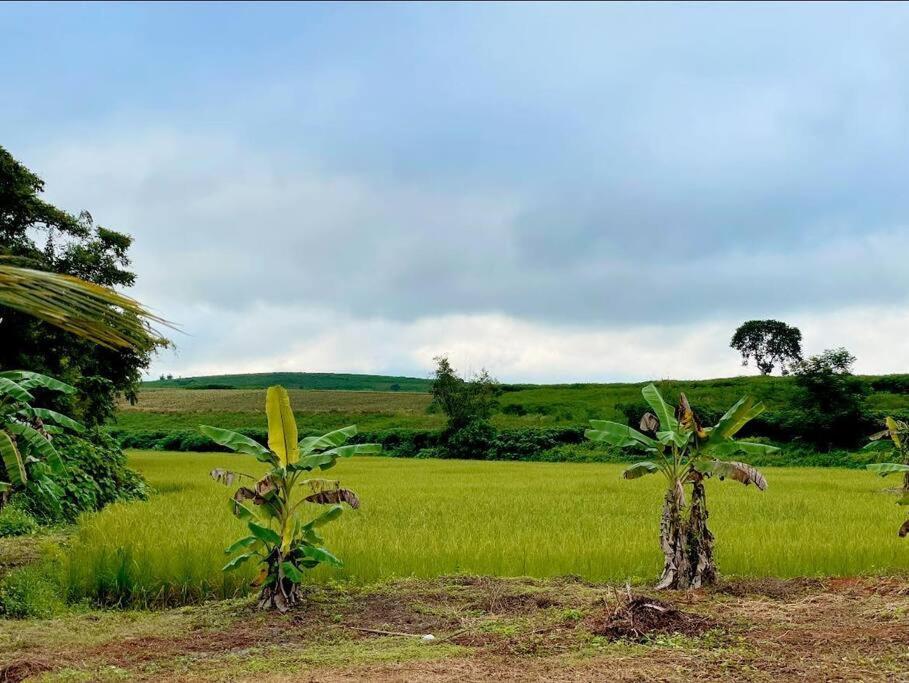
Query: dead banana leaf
point(260, 577)
point(649, 423)
point(740, 471)
point(244, 493)
point(334, 497)
point(225, 477)
point(687, 419)
point(266, 486)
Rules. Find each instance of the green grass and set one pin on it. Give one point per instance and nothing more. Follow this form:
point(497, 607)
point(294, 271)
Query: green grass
point(167, 409)
point(297, 380)
point(430, 517)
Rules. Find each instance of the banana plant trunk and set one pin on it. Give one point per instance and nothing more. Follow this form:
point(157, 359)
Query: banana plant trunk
point(700, 539)
point(281, 593)
point(686, 540)
point(673, 540)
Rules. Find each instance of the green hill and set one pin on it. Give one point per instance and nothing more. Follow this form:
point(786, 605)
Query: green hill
point(295, 380)
point(533, 419)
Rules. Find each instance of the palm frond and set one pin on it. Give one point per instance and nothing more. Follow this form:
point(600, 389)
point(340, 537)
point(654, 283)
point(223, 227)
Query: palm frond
point(83, 308)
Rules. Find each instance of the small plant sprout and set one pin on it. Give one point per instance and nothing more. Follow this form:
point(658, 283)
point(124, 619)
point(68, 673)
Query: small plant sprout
point(274, 506)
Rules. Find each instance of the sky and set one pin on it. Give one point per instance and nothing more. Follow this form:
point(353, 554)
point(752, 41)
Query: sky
point(554, 192)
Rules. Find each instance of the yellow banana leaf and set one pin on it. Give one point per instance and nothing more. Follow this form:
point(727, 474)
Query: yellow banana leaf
point(282, 428)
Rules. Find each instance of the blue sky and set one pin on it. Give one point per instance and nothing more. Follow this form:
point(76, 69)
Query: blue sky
point(555, 192)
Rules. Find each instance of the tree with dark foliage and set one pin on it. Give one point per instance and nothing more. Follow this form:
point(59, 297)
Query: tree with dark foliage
point(829, 403)
point(468, 405)
point(38, 236)
point(768, 343)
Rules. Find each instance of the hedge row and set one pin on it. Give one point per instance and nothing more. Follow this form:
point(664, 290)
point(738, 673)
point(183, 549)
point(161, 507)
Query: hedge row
point(791, 426)
point(536, 445)
point(514, 444)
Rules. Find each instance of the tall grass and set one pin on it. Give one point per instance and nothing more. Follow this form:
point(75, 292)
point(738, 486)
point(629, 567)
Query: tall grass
point(429, 517)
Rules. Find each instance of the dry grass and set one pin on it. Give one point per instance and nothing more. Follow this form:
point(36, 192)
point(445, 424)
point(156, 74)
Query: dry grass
point(253, 401)
point(485, 628)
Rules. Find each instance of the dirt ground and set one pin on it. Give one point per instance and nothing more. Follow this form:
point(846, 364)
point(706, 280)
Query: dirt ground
point(506, 629)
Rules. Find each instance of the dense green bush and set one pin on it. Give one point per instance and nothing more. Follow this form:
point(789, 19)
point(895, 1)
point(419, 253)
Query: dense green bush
point(580, 452)
point(894, 384)
point(560, 444)
point(177, 440)
point(15, 520)
point(401, 443)
point(473, 441)
point(96, 474)
point(524, 444)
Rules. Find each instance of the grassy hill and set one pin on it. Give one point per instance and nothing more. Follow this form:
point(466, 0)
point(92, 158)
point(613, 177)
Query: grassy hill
point(295, 380)
point(168, 405)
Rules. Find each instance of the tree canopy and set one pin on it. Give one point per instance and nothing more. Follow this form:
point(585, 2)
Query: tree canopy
point(38, 236)
point(769, 343)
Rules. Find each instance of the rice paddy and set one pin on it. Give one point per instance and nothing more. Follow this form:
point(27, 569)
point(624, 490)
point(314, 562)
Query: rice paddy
point(426, 518)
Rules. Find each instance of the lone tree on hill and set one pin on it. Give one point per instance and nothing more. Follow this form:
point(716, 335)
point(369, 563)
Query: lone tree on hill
point(768, 343)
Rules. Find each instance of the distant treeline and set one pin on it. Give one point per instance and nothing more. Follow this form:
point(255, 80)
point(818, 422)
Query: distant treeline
point(294, 380)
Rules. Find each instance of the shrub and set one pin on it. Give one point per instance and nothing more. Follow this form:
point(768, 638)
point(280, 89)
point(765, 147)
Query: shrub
point(16, 521)
point(894, 384)
point(96, 475)
point(632, 412)
point(425, 453)
point(829, 408)
point(471, 442)
point(400, 443)
point(583, 452)
point(525, 444)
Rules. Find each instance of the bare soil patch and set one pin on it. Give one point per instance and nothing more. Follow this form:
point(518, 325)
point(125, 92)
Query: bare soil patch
point(641, 616)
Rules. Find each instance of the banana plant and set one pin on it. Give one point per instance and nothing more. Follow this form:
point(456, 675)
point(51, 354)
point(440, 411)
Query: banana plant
point(27, 453)
point(686, 453)
point(894, 438)
point(275, 506)
point(898, 433)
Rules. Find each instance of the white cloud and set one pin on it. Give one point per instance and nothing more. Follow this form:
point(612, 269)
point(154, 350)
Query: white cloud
point(270, 338)
point(270, 266)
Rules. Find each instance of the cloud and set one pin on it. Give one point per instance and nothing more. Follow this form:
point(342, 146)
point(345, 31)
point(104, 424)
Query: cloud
point(220, 224)
point(271, 337)
point(563, 183)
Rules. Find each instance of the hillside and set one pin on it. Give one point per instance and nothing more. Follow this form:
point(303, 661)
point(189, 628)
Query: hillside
point(169, 405)
point(295, 380)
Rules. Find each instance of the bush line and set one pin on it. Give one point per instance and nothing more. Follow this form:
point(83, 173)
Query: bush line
point(565, 444)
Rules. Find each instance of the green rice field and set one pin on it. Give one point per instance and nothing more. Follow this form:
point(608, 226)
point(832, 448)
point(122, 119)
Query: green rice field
point(427, 518)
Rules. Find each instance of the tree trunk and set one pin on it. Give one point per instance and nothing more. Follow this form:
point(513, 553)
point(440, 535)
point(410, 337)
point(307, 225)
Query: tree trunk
point(699, 538)
point(676, 568)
